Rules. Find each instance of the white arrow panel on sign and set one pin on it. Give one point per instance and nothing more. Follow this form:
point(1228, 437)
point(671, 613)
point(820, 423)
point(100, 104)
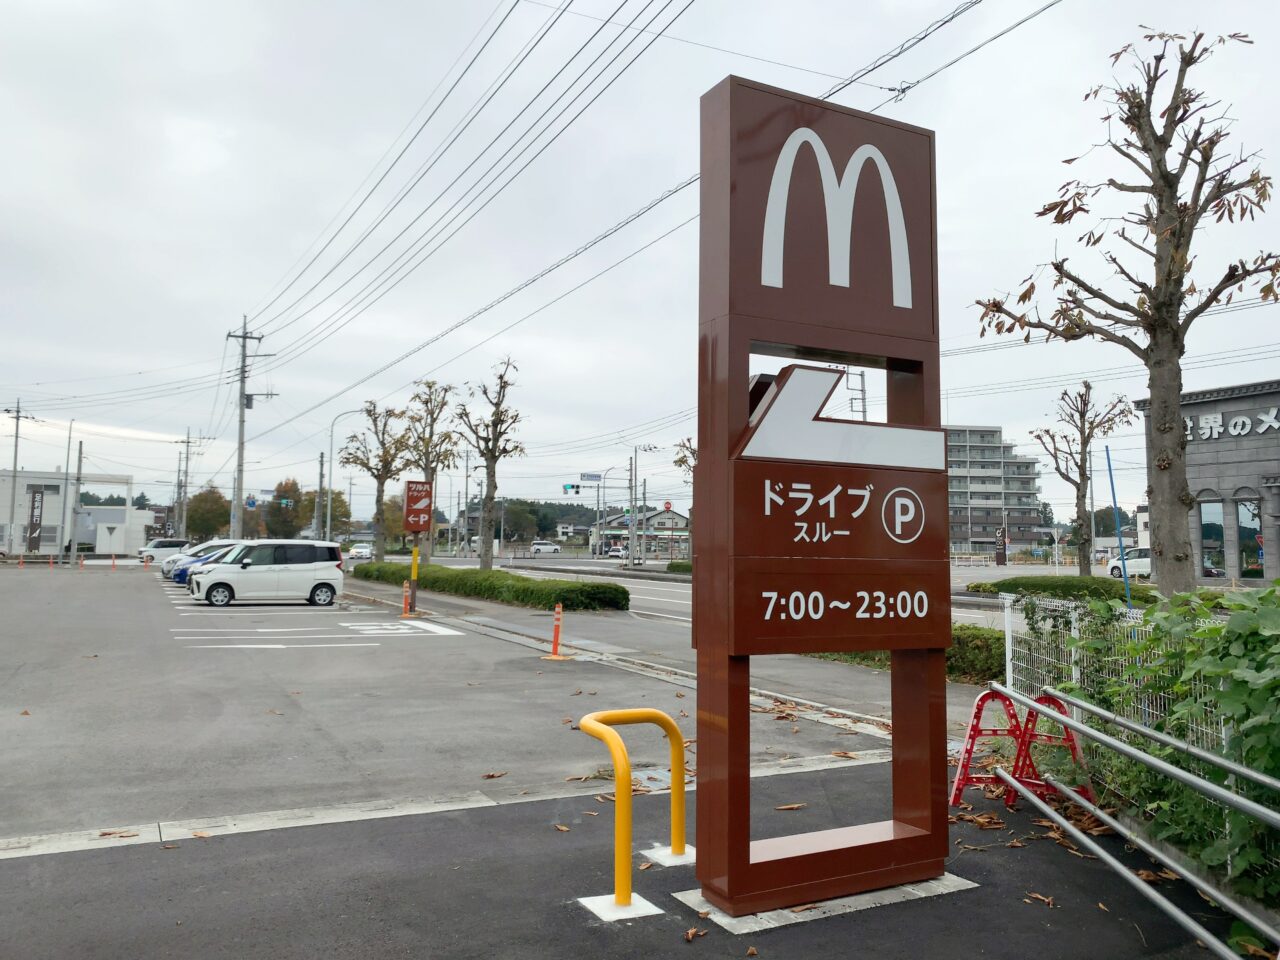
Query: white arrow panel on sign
point(789, 426)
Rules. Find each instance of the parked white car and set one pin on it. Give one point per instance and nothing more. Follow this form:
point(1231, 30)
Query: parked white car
point(309, 570)
point(1137, 561)
point(161, 549)
point(544, 546)
point(361, 551)
point(197, 550)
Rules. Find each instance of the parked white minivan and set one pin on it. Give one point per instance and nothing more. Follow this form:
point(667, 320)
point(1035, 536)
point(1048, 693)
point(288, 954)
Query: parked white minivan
point(309, 570)
point(161, 549)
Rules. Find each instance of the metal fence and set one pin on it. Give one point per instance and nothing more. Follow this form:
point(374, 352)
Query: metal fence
point(1040, 651)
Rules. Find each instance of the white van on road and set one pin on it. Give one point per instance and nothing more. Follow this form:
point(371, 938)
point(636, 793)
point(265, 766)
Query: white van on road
point(309, 570)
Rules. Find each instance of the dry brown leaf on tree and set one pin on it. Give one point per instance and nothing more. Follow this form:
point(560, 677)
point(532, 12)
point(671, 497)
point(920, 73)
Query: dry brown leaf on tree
point(494, 775)
point(791, 806)
point(561, 827)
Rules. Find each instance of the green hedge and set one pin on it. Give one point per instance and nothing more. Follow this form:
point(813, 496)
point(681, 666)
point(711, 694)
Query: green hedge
point(976, 655)
point(680, 566)
point(1067, 588)
point(503, 586)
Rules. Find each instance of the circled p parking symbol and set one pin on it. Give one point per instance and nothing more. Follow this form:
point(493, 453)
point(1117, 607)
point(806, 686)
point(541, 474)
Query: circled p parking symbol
point(902, 514)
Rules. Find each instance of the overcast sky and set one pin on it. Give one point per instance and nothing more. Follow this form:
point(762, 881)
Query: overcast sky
point(170, 166)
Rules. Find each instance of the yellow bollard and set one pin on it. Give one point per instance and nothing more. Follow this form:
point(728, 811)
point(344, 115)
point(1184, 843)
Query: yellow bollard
point(600, 725)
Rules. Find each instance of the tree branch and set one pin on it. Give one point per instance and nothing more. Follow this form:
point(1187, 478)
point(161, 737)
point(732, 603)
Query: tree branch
point(1060, 267)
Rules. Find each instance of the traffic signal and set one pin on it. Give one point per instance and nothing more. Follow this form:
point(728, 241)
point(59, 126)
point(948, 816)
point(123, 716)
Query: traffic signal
point(573, 488)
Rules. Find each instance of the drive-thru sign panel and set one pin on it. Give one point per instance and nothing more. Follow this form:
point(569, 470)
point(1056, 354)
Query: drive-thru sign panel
point(814, 534)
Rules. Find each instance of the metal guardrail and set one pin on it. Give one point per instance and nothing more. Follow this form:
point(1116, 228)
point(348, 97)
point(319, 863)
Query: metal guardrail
point(1246, 806)
point(600, 725)
point(1204, 787)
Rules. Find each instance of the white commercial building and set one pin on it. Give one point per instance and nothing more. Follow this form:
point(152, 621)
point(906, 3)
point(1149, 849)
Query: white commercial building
point(41, 519)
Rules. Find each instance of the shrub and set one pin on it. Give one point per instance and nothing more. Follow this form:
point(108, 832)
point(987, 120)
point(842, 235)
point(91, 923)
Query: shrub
point(976, 655)
point(680, 566)
point(1214, 674)
point(1070, 588)
point(982, 586)
point(503, 587)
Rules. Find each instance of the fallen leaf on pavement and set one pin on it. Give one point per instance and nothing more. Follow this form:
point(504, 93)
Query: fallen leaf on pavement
point(795, 729)
point(1015, 843)
point(684, 713)
point(844, 754)
point(202, 834)
point(703, 914)
point(494, 775)
point(88, 656)
point(295, 693)
point(1103, 907)
point(646, 865)
point(576, 693)
point(983, 821)
point(25, 713)
point(168, 846)
point(591, 813)
point(804, 907)
point(566, 720)
point(561, 827)
point(585, 777)
point(791, 806)
point(117, 833)
point(275, 713)
point(680, 696)
point(693, 932)
point(591, 693)
point(752, 952)
point(1047, 901)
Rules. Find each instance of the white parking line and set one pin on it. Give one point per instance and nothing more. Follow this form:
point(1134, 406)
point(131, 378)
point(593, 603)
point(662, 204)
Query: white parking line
point(664, 616)
point(273, 646)
point(641, 596)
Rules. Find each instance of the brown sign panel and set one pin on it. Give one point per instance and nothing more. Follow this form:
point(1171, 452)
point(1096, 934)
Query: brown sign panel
point(816, 534)
point(35, 520)
point(418, 507)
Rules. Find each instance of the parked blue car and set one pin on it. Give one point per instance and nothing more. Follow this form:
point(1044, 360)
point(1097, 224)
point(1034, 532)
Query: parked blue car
point(186, 565)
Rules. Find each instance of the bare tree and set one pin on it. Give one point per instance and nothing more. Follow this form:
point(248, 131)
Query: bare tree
point(1173, 138)
point(488, 431)
point(686, 458)
point(381, 453)
point(1069, 450)
point(431, 447)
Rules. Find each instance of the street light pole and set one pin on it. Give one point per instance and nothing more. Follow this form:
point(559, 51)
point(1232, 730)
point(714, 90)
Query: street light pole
point(328, 509)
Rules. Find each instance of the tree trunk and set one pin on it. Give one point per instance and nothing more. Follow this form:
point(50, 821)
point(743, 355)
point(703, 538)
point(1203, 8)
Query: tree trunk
point(1084, 539)
point(1173, 563)
point(486, 513)
point(379, 534)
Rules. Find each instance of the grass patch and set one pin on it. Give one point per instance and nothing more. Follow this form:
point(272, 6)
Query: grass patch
point(503, 587)
point(680, 566)
point(976, 655)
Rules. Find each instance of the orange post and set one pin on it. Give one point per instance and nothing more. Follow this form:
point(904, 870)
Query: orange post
point(51, 561)
point(146, 563)
point(82, 561)
point(22, 560)
point(405, 611)
point(555, 636)
point(113, 561)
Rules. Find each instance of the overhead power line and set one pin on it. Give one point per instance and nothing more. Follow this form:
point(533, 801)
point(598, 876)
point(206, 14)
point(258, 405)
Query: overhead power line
point(876, 64)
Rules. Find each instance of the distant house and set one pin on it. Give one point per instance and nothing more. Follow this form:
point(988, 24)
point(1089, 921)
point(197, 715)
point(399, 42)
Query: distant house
point(566, 531)
point(658, 532)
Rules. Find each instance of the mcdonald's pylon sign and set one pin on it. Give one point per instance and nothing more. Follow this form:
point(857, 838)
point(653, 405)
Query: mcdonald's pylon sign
point(815, 534)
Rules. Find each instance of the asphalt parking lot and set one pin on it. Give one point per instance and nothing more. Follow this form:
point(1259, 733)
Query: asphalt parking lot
point(277, 780)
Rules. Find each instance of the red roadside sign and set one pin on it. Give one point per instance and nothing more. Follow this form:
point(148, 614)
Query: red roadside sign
point(418, 506)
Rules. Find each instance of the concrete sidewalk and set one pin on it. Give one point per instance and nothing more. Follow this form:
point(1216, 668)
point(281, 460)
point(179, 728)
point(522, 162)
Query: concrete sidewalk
point(503, 882)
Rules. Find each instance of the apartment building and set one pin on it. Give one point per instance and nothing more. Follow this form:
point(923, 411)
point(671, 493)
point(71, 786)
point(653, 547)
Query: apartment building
point(989, 486)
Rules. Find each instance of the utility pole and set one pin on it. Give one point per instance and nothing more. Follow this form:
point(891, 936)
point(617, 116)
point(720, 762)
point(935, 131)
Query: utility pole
point(466, 501)
point(631, 493)
point(76, 503)
point(315, 522)
point(18, 417)
point(246, 402)
point(644, 509)
point(66, 492)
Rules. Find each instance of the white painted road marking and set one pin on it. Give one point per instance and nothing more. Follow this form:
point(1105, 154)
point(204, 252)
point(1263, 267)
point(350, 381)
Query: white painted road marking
point(273, 646)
